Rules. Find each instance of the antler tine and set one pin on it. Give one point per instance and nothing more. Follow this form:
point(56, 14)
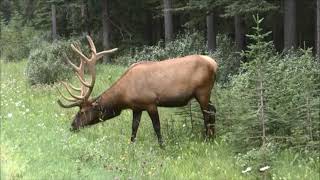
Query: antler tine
point(100, 54)
point(74, 88)
point(79, 52)
point(77, 45)
point(92, 46)
point(69, 105)
point(69, 91)
point(69, 61)
point(83, 81)
point(65, 97)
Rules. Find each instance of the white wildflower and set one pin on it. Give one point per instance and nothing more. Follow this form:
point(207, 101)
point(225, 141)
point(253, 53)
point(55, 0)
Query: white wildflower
point(264, 168)
point(247, 170)
point(9, 115)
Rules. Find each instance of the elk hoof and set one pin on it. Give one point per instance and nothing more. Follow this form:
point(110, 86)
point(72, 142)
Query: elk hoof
point(162, 145)
point(133, 139)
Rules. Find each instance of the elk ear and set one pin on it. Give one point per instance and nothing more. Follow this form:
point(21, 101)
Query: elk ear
point(95, 104)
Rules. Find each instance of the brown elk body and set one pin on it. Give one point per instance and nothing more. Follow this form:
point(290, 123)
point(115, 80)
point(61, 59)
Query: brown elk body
point(148, 85)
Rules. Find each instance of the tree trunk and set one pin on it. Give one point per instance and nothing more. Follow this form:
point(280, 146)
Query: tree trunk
point(318, 30)
point(54, 22)
point(29, 10)
point(289, 24)
point(87, 18)
point(168, 26)
point(277, 31)
point(148, 27)
point(211, 34)
point(239, 32)
point(106, 28)
point(156, 30)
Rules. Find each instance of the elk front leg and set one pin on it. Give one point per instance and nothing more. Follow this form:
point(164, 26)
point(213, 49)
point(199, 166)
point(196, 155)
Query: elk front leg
point(154, 115)
point(135, 124)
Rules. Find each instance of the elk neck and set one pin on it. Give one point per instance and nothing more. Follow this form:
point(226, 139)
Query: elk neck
point(110, 100)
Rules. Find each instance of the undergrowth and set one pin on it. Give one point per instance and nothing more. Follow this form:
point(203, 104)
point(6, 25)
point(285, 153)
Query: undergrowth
point(36, 142)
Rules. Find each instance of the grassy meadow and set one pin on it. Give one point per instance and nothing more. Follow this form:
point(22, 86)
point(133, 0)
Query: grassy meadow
point(36, 142)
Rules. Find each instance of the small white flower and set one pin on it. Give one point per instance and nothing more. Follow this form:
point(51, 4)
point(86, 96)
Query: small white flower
point(9, 115)
point(247, 170)
point(27, 110)
point(183, 125)
point(264, 168)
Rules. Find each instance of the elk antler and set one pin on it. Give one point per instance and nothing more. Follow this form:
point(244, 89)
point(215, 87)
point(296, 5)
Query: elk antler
point(86, 87)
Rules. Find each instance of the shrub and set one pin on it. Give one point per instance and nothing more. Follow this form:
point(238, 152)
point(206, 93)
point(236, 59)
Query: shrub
point(273, 101)
point(184, 44)
point(17, 38)
point(47, 63)
point(227, 57)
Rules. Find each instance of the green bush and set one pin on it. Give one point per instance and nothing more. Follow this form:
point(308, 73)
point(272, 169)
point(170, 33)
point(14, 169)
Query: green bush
point(185, 44)
point(16, 39)
point(284, 88)
point(47, 64)
point(227, 57)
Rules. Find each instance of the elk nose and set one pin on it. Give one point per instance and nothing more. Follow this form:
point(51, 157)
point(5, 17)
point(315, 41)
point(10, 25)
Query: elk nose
point(73, 127)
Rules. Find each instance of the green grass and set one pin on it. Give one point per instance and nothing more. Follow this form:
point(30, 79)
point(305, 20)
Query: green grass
point(36, 142)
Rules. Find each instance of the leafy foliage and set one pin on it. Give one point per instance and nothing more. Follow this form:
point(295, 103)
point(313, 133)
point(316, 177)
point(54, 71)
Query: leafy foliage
point(35, 135)
point(16, 39)
point(290, 96)
point(185, 44)
point(227, 57)
point(47, 64)
point(233, 8)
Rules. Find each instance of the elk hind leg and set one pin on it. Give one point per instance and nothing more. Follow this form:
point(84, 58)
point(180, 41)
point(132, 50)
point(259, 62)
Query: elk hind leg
point(212, 117)
point(206, 108)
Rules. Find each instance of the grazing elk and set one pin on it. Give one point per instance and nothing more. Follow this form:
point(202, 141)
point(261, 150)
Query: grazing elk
point(144, 86)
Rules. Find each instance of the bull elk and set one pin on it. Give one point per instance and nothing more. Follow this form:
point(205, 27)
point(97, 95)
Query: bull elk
point(145, 86)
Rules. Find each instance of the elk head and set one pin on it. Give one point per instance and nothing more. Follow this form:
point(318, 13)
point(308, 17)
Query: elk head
point(89, 112)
